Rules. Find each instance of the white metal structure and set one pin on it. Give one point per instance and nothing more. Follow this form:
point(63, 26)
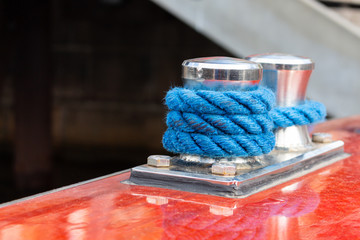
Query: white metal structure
point(301, 27)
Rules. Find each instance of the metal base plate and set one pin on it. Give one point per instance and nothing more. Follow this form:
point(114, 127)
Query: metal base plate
point(280, 167)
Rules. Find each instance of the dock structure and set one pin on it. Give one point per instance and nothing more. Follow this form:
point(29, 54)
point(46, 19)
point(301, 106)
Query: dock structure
point(330, 36)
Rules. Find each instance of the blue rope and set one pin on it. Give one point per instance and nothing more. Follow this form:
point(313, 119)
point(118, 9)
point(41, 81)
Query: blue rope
point(218, 145)
point(219, 123)
point(227, 102)
point(304, 114)
point(230, 123)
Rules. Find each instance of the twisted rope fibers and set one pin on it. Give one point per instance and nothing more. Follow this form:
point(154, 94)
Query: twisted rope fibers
point(218, 145)
point(229, 123)
point(304, 114)
point(226, 102)
point(219, 123)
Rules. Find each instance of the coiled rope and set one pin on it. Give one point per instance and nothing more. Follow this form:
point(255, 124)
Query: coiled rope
point(230, 123)
point(219, 123)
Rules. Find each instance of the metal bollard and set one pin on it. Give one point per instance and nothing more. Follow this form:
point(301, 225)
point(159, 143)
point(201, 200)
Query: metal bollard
point(219, 74)
point(288, 76)
point(238, 177)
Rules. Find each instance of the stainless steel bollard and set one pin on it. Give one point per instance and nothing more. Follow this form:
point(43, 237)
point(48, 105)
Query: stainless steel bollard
point(288, 76)
point(219, 74)
point(295, 155)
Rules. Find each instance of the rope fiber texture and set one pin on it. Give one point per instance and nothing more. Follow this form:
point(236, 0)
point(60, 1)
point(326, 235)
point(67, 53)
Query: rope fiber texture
point(219, 123)
point(304, 114)
point(230, 123)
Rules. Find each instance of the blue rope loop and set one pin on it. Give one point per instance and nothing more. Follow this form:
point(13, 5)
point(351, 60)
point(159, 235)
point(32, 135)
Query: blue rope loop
point(304, 114)
point(259, 101)
point(217, 146)
point(219, 123)
point(211, 124)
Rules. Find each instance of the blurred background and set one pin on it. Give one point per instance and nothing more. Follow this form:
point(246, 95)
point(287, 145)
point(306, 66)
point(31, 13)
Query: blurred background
point(82, 82)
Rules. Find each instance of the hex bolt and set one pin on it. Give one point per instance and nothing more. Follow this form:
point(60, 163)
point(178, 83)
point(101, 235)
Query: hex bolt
point(224, 169)
point(159, 160)
point(322, 137)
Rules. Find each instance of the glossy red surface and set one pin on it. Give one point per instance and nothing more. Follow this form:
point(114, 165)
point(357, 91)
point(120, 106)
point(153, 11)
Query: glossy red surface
point(322, 205)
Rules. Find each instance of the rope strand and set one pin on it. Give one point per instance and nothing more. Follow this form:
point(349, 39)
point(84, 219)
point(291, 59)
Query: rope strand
point(258, 101)
point(218, 145)
point(210, 124)
point(304, 114)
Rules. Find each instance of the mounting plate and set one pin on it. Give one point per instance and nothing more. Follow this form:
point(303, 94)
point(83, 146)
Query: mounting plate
point(279, 167)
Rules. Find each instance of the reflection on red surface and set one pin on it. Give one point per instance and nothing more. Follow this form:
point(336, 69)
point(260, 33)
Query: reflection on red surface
point(247, 221)
point(321, 205)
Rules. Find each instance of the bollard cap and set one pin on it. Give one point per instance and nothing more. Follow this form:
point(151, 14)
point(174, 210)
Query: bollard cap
point(281, 61)
point(221, 69)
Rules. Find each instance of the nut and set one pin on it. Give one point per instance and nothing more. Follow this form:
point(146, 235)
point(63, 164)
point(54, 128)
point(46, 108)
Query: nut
point(322, 137)
point(159, 160)
point(225, 169)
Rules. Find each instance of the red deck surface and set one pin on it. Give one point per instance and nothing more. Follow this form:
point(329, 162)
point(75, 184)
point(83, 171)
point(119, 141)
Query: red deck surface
point(322, 205)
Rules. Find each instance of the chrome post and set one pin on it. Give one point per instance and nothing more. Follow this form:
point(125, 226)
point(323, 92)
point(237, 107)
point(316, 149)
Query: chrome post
point(219, 74)
point(287, 75)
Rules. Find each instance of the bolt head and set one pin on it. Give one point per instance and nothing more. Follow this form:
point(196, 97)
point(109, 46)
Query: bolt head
point(225, 169)
point(159, 160)
point(322, 137)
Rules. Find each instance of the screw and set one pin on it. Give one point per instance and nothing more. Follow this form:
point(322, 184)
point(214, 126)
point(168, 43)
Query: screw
point(159, 160)
point(322, 137)
point(223, 168)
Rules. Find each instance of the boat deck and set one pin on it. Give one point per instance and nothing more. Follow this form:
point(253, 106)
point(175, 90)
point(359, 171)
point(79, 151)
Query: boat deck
point(322, 205)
